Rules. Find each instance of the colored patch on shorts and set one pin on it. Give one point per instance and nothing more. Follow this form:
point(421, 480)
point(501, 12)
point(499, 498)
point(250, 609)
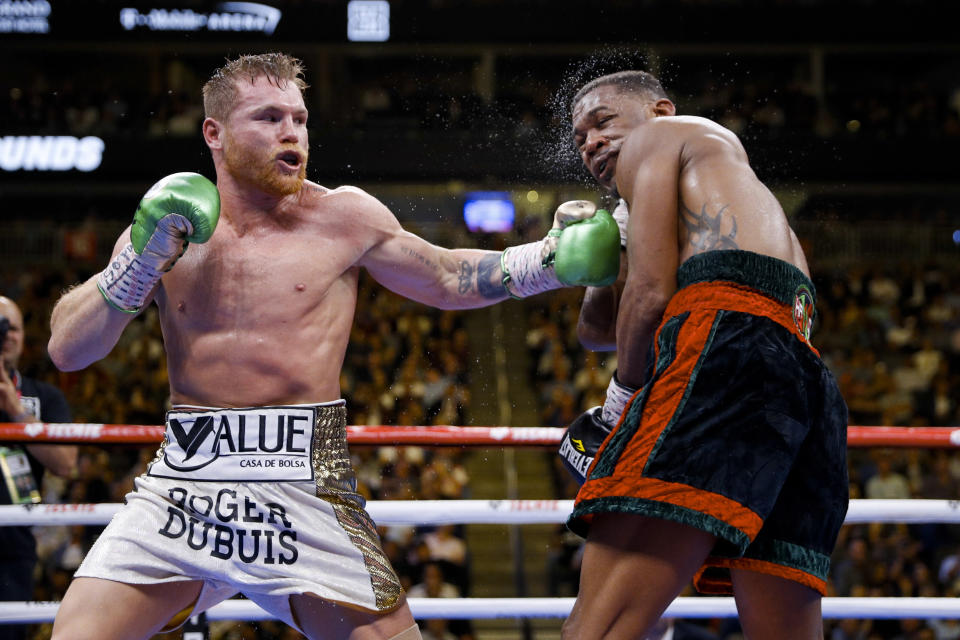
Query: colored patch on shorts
point(803, 310)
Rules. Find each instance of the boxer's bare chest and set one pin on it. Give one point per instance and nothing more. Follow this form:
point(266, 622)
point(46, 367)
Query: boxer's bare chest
point(244, 277)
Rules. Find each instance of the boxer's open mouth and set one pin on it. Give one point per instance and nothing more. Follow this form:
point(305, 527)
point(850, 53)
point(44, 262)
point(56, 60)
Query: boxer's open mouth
point(291, 158)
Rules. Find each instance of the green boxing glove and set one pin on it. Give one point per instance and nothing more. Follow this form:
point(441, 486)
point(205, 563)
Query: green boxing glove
point(588, 253)
point(540, 266)
point(181, 208)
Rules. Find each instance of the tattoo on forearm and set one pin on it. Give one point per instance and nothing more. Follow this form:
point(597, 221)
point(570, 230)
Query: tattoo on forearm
point(466, 277)
point(490, 277)
point(705, 231)
point(420, 257)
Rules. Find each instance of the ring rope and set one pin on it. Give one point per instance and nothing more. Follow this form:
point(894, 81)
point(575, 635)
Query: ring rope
point(395, 512)
point(438, 435)
point(436, 512)
point(491, 608)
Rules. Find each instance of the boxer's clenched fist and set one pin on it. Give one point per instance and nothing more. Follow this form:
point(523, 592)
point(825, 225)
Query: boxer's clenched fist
point(181, 208)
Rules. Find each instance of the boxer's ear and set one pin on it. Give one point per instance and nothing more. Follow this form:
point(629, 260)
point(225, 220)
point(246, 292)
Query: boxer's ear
point(663, 107)
point(212, 133)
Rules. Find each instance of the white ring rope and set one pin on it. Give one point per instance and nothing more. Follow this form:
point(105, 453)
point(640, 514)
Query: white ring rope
point(435, 512)
point(489, 608)
point(392, 512)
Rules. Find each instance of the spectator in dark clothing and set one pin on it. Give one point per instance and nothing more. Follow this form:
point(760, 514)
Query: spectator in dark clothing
point(24, 399)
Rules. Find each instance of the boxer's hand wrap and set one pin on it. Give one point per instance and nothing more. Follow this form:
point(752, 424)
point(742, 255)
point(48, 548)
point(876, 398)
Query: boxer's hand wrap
point(127, 281)
point(618, 395)
point(581, 441)
point(575, 252)
point(181, 208)
point(621, 215)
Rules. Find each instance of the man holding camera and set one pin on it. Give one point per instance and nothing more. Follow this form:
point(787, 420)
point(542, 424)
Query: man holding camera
point(24, 399)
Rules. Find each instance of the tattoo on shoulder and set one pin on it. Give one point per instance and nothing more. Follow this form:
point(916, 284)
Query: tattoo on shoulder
point(705, 230)
point(420, 258)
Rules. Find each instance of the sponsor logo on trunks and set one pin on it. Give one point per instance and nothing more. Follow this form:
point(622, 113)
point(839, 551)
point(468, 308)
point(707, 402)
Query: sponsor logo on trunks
point(803, 311)
point(242, 445)
point(231, 526)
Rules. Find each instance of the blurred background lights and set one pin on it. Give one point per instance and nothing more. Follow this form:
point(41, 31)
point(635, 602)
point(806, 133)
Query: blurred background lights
point(368, 20)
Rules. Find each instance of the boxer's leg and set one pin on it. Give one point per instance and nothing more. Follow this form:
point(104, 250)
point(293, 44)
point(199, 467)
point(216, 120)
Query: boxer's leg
point(322, 619)
point(633, 567)
point(97, 609)
point(775, 608)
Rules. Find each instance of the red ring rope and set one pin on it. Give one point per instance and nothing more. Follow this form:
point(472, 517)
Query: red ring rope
point(39, 432)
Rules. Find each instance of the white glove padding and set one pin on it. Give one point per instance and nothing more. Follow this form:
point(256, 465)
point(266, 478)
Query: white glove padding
point(622, 214)
point(129, 278)
point(529, 267)
point(618, 395)
point(573, 211)
point(167, 242)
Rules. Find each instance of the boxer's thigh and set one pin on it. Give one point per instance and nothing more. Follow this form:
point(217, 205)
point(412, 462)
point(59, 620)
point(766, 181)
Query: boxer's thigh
point(94, 608)
point(323, 619)
point(633, 567)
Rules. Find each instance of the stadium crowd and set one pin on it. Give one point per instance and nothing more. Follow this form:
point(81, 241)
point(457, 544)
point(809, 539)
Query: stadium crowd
point(757, 96)
point(891, 336)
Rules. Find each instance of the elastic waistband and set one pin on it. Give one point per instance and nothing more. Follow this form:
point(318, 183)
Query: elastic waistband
point(318, 405)
point(770, 276)
point(749, 283)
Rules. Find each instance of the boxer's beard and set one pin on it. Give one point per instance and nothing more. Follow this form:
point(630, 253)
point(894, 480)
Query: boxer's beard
point(257, 166)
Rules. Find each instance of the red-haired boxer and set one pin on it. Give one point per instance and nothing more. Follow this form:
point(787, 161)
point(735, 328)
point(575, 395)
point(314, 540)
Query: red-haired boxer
point(252, 490)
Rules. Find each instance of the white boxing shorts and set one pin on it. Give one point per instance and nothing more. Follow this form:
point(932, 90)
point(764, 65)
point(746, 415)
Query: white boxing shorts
point(259, 501)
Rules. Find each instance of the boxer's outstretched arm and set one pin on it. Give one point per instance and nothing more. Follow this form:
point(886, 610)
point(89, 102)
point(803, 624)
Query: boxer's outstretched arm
point(83, 327)
point(443, 278)
point(581, 249)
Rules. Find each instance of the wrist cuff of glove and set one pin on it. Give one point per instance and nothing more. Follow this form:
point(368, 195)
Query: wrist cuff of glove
point(127, 282)
point(621, 215)
point(528, 269)
point(618, 395)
